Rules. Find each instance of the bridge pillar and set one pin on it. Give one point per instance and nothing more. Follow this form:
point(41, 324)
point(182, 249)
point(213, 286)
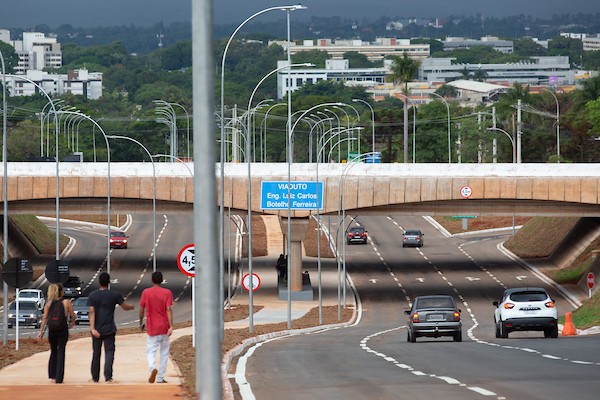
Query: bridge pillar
point(298, 230)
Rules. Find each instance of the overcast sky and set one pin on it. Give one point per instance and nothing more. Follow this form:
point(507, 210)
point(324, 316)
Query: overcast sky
point(86, 13)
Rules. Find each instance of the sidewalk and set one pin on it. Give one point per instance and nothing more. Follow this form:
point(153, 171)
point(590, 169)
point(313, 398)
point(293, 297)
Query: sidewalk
point(27, 379)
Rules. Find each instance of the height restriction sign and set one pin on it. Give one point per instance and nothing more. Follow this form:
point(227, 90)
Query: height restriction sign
point(186, 260)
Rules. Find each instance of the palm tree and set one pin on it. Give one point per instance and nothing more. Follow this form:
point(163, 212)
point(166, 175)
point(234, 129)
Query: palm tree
point(403, 70)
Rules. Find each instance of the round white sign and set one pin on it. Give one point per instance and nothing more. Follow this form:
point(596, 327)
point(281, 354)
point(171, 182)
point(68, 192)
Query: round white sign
point(255, 284)
point(466, 192)
point(186, 260)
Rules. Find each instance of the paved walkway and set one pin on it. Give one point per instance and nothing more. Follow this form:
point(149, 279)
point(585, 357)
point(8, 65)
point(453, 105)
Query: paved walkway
point(27, 379)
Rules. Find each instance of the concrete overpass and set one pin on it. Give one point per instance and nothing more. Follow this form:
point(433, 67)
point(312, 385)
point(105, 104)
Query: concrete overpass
point(414, 189)
point(361, 189)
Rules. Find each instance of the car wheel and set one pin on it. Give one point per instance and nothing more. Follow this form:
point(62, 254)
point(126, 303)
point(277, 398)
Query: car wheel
point(9, 325)
point(408, 336)
point(76, 322)
point(497, 330)
point(403, 245)
point(503, 331)
point(413, 337)
point(458, 336)
point(551, 332)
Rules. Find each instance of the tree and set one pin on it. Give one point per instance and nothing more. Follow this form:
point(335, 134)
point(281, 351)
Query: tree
point(11, 58)
point(404, 69)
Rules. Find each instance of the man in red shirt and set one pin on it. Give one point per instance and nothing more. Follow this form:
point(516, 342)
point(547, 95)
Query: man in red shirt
point(156, 303)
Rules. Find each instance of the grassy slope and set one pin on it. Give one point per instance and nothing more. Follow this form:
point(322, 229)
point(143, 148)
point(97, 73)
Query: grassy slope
point(539, 238)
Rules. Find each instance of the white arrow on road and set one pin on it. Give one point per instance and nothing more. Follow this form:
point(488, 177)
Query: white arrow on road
point(521, 277)
point(471, 278)
point(373, 280)
point(420, 280)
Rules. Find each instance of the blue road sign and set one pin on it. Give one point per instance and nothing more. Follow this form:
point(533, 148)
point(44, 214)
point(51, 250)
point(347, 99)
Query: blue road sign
point(303, 195)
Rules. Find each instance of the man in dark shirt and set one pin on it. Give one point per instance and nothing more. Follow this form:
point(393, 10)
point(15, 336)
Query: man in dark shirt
point(102, 303)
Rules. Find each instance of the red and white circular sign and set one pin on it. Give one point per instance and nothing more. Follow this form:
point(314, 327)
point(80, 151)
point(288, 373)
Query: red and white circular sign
point(255, 284)
point(186, 260)
point(590, 280)
point(466, 192)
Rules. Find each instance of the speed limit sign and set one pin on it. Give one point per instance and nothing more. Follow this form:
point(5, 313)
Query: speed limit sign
point(253, 283)
point(466, 192)
point(186, 260)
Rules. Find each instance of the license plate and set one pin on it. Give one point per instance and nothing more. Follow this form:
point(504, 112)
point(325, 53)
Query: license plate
point(21, 319)
point(435, 317)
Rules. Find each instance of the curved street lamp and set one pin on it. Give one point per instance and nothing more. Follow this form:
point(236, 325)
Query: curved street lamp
point(412, 103)
point(372, 122)
point(557, 124)
point(512, 142)
point(449, 139)
point(153, 197)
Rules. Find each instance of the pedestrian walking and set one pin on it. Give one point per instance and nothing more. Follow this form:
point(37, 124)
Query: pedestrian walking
point(55, 319)
point(102, 303)
point(156, 303)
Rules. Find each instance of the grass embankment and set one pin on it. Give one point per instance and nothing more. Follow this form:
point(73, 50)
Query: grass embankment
point(539, 238)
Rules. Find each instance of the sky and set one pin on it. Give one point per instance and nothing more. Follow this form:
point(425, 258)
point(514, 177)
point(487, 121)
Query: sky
point(94, 13)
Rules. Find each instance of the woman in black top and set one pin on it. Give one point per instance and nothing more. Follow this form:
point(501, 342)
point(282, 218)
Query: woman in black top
point(57, 338)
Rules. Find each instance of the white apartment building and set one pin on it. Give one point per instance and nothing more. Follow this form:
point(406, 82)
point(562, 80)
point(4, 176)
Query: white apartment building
point(374, 51)
point(455, 43)
point(335, 70)
point(539, 71)
point(77, 82)
point(591, 43)
point(36, 51)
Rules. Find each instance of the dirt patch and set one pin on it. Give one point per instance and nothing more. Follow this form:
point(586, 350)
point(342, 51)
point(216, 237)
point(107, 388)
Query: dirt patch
point(311, 242)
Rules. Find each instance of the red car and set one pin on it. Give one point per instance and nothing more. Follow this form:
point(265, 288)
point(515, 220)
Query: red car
point(118, 240)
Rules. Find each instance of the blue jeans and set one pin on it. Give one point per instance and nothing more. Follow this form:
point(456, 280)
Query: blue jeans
point(109, 356)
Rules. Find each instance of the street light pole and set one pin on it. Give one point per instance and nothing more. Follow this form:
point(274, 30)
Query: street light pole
point(153, 197)
point(512, 142)
point(449, 139)
point(372, 122)
point(557, 124)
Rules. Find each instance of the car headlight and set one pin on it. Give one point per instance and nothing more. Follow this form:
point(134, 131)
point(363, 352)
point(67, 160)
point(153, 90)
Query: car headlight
point(11, 315)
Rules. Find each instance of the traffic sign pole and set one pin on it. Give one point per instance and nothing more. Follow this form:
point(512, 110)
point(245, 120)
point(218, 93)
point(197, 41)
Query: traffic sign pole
point(590, 283)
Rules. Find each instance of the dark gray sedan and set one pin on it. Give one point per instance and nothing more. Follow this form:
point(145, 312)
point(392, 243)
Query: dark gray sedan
point(434, 316)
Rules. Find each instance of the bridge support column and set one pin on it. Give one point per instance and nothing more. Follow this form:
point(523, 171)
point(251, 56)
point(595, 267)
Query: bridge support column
point(298, 230)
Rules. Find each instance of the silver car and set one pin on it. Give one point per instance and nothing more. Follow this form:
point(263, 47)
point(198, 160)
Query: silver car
point(413, 237)
point(29, 314)
point(82, 310)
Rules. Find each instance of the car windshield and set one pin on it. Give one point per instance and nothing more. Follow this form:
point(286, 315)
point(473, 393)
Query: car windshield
point(435, 302)
point(528, 296)
point(412, 233)
point(357, 230)
point(80, 302)
point(72, 281)
point(23, 305)
point(117, 234)
point(28, 295)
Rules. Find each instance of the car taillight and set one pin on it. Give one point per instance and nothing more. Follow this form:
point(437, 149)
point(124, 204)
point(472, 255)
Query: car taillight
point(405, 238)
point(349, 234)
point(549, 304)
point(456, 316)
point(364, 234)
point(509, 306)
point(415, 318)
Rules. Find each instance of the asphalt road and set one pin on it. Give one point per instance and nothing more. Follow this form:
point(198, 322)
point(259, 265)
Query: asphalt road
point(131, 268)
point(373, 360)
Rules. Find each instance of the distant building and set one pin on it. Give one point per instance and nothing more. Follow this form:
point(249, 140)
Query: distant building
point(455, 43)
point(591, 43)
point(539, 71)
point(335, 70)
point(77, 82)
point(474, 93)
point(36, 51)
point(374, 51)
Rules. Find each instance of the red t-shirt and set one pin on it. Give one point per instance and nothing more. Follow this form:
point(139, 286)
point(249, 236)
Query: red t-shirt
point(156, 300)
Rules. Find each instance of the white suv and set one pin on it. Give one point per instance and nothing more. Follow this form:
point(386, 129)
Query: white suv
point(33, 295)
point(526, 309)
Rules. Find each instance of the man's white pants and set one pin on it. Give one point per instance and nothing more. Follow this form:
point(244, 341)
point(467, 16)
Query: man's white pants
point(153, 343)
